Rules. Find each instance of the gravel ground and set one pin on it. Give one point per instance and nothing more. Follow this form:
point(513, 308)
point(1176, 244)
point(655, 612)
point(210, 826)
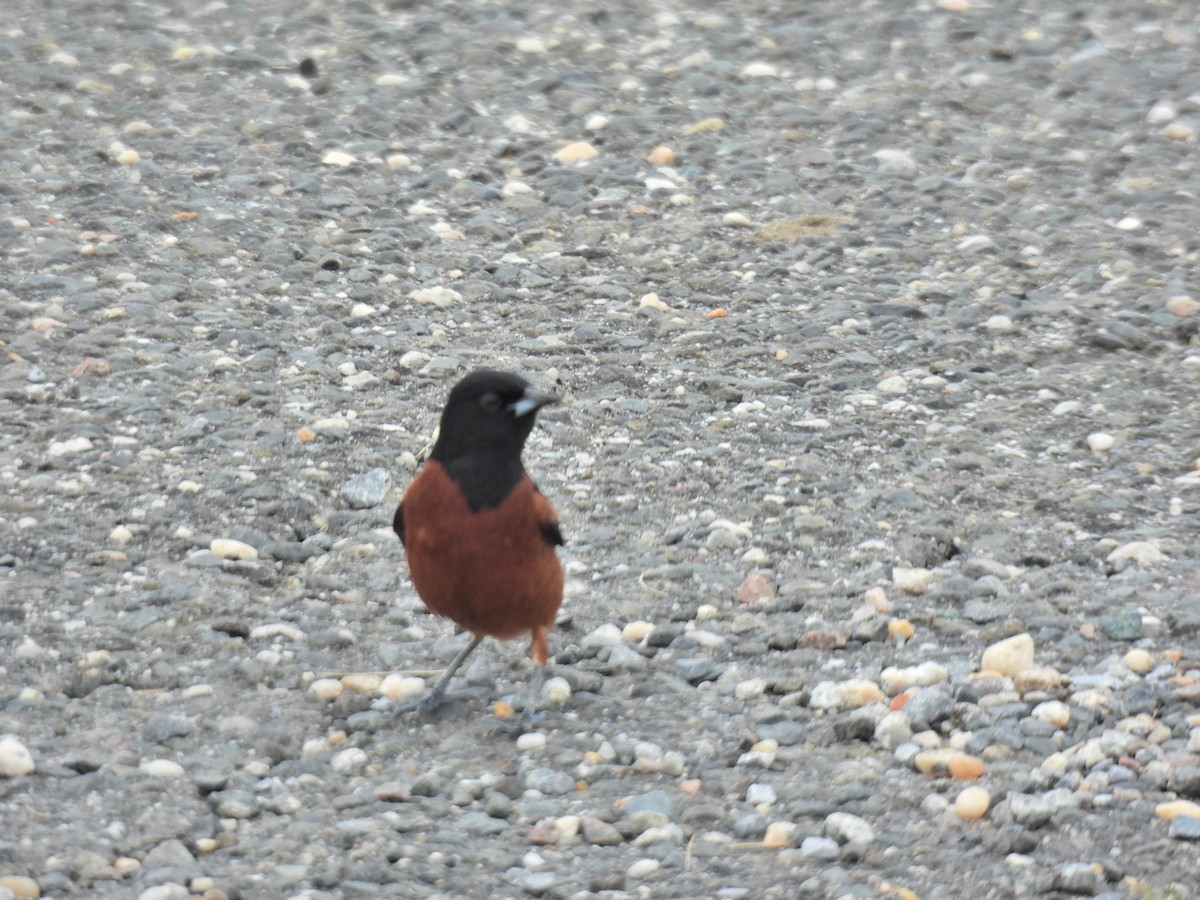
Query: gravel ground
point(879, 455)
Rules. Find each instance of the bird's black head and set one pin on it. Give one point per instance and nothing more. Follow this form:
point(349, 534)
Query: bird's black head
point(488, 414)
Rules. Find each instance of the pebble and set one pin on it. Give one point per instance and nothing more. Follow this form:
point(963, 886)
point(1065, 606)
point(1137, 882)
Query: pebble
point(637, 631)
point(1100, 441)
point(755, 588)
point(328, 688)
point(1122, 624)
point(1183, 306)
point(1174, 808)
point(162, 768)
point(851, 694)
point(368, 489)
point(1138, 660)
point(70, 447)
point(661, 156)
point(21, 886)
point(818, 847)
point(441, 297)
point(894, 680)
point(361, 682)
point(531, 741)
point(737, 219)
point(396, 686)
point(228, 548)
point(972, 803)
point(1138, 553)
point(580, 151)
point(911, 580)
point(893, 384)
point(1185, 828)
point(349, 760)
point(339, 158)
point(1037, 678)
point(643, 868)
point(847, 828)
point(759, 70)
point(652, 301)
point(779, 834)
point(556, 691)
point(1009, 656)
point(15, 758)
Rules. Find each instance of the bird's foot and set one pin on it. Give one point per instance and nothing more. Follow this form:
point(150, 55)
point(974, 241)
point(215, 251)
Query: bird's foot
point(431, 701)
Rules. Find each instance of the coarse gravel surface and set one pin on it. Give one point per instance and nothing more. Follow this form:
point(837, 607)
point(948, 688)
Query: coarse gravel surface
point(875, 332)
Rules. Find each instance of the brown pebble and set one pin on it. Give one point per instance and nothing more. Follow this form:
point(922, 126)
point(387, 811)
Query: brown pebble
point(305, 434)
point(545, 833)
point(661, 156)
point(755, 588)
point(823, 640)
point(393, 792)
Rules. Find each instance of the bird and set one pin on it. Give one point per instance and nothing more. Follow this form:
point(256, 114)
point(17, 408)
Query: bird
point(480, 538)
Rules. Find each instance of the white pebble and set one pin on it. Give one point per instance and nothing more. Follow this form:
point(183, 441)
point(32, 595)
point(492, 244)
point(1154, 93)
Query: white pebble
point(651, 301)
point(750, 688)
point(276, 629)
point(1100, 441)
point(392, 79)
point(395, 686)
point(1053, 712)
point(758, 793)
point(349, 760)
point(530, 741)
point(556, 691)
point(228, 548)
point(398, 161)
point(817, 847)
point(162, 768)
point(606, 635)
point(911, 580)
point(737, 219)
point(636, 631)
point(1130, 223)
point(1160, 114)
point(531, 44)
point(643, 868)
point(69, 447)
point(338, 158)
point(1139, 553)
point(595, 122)
point(851, 694)
point(120, 535)
point(846, 828)
point(435, 296)
point(1009, 656)
point(999, 324)
point(893, 384)
point(759, 70)
point(15, 758)
point(894, 679)
point(327, 688)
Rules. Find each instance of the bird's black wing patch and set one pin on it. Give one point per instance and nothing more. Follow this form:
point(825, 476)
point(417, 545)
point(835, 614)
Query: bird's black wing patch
point(553, 534)
point(398, 523)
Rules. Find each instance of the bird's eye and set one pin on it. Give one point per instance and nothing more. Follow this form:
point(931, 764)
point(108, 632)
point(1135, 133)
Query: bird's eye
point(490, 402)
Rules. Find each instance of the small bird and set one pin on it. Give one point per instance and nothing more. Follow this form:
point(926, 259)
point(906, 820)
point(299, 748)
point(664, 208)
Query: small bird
point(479, 536)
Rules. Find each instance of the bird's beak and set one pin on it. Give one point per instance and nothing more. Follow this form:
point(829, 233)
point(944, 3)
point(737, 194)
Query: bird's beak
point(531, 401)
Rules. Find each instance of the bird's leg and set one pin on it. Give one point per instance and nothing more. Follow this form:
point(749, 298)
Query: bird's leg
point(534, 699)
point(435, 696)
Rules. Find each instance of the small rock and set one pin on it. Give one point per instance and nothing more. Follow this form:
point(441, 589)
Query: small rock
point(816, 847)
point(1139, 661)
point(972, 803)
point(1009, 656)
point(579, 151)
point(1100, 441)
point(367, 490)
point(69, 447)
point(1079, 878)
point(1185, 828)
point(755, 588)
point(1124, 624)
point(228, 548)
point(845, 694)
point(1172, 809)
point(661, 156)
point(15, 758)
point(1183, 306)
point(846, 828)
point(21, 886)
point(911, 580)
